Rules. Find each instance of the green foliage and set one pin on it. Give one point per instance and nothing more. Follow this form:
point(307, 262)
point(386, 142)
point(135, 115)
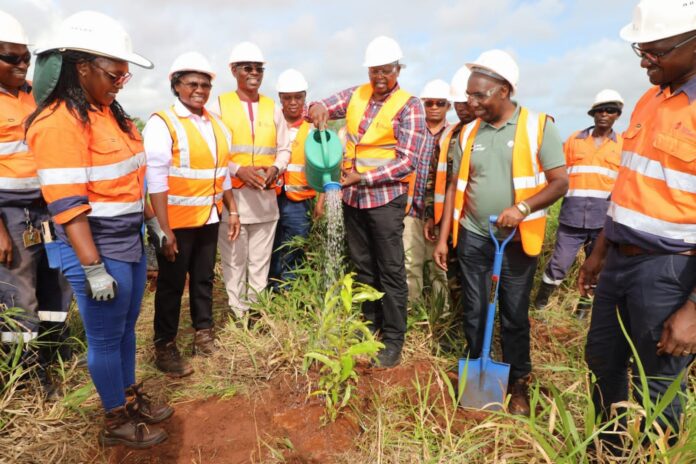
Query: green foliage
point(341, 337)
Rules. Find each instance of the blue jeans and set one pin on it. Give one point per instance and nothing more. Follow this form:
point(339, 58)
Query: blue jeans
point(109, 325)
point(294, 222)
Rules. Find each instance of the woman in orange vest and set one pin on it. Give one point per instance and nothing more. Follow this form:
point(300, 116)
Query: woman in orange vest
point(91, 168)
point(187, 152)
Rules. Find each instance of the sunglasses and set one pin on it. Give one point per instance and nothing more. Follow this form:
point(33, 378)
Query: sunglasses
point(115, 79)
point(608, 110)
point(16, 59)
point(438, 103)
point(248, 68)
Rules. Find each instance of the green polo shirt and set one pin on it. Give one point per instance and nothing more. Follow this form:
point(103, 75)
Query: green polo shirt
point(489, 190)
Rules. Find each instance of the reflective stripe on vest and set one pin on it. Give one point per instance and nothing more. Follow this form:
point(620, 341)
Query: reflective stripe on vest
point(441, 171)
point(655, 191)
point(592, 170)
point(17, 165)
point(258, 150)
point(527, 176)
point(296, 187)
point(52, 316)
point(195, 176)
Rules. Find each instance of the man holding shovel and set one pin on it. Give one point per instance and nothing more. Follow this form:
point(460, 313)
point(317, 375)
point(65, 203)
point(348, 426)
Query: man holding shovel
point(506, 142)
point(385, 132)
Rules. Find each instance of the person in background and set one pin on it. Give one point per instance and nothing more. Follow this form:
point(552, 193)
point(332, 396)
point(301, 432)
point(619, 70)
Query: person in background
point(260, 153)
point(418, 251)
point(91, 168)
point(507, 141)
point(187, 152)
point(27, 282)
point(593, 156)
point(385, 132)
point(295, 197)
point(644, 261)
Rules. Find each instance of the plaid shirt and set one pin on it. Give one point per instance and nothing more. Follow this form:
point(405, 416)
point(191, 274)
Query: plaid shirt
point(383, 184)
point(429, 153)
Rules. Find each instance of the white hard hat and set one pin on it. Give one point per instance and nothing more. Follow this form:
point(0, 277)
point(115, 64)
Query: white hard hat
point(497, 64)
point(382, 50)
point(11, 31)
point(96, 33)
point(659, 19)
point(291, 80)
point(459, 84)
point(192, 61)
point(246, 52)
point(607, 96)
point(436, 89)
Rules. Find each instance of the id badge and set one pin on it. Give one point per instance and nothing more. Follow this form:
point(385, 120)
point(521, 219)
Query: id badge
point(31, 237)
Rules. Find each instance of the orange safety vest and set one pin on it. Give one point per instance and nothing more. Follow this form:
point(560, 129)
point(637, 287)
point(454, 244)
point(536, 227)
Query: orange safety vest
point(17, 165)
point(655, 191)
point(99, 162)
point(257, 149)
point(296, 187)
point(441, 171)
point(377, 146)
point(527, 176)
point(592, 170)
point(195, 176)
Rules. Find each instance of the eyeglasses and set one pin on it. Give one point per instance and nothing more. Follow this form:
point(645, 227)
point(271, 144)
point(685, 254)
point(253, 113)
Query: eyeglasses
point(480, 96)
point(248, 68)
point(605, 109)
point(438, 103)
point(16, 59)
point(195, 85)
point(654, 57)
point(382, 71)
point(115, 79)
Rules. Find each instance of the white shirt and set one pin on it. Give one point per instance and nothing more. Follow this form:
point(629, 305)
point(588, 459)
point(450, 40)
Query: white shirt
point(158, 149)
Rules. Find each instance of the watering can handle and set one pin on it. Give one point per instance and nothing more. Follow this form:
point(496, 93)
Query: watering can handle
point(324, 146)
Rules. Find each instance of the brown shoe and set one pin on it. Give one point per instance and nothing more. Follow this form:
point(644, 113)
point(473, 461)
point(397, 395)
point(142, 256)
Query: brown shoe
point(149, 413)
point(204, 342)
point(124, 426)
point(168, 360)
point(519, 396)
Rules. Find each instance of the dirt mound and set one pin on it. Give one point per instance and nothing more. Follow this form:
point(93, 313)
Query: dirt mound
point(278, 419)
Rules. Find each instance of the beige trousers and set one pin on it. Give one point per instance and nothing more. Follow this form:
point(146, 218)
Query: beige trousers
point(245, 262)
point(419, 255)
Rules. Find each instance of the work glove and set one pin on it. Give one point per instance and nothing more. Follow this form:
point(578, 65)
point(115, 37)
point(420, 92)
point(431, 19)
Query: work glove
point(100, 285)
point(155, 234)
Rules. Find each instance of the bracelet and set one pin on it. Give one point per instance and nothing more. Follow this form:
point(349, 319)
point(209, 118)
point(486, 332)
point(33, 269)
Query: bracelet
point(234, 213)
point(692, 297)
point(523, 208)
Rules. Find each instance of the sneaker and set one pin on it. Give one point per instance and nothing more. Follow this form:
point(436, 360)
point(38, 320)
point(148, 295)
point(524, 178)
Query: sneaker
point(168, 360)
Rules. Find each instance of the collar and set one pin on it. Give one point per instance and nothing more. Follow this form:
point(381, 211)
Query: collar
point(511, 121)
point(26, 88)
point(184, 112)
point(689, 88)
point(440, 129)
point(587, 132)
point(396, 87)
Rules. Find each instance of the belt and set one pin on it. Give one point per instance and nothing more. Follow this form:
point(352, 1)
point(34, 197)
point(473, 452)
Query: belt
point(633, 250)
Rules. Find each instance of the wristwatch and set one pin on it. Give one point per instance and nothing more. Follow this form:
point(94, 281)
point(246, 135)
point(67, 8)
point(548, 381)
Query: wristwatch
point(523, 208)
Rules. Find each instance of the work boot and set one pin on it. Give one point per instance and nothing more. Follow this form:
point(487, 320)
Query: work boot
point(168, 360)
point(519, 396)
point(150, 414)
point(583, 308)
point(204, 342)
point(125, 426)
point(543, 294)
point(387, 357)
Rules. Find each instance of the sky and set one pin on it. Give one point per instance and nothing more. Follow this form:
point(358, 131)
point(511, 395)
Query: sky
point(567, 50)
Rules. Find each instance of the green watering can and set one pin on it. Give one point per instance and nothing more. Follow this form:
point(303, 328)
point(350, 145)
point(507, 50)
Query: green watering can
point(323, 156)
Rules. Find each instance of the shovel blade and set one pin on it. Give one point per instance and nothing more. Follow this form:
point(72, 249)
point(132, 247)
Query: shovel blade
point(485, 383)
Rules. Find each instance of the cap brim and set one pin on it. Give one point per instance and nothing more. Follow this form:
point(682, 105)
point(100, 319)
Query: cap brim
point(628, 34)
point(129, 57)
point(207, 73)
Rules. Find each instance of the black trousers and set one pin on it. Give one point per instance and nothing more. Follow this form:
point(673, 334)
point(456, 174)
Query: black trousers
point(645, 291)
point(376, 247)
point(196, 257)
point(476, 253)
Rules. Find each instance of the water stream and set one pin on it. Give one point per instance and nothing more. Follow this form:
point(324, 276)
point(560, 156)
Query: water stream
point(334, 238)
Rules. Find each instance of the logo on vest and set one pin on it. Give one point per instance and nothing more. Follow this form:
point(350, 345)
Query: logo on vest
point(478, 147)
point(510, 143)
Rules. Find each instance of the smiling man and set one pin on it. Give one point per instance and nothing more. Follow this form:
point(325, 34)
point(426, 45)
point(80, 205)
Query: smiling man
point(593, 156)
point(511, 166)
point(647, 251)
point(385, 132)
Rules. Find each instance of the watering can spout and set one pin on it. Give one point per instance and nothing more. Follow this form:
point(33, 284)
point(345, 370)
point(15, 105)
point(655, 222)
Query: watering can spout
point(331, 186)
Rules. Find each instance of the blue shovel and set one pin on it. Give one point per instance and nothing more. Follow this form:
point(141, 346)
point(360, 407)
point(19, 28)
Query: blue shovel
point(486, 380)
